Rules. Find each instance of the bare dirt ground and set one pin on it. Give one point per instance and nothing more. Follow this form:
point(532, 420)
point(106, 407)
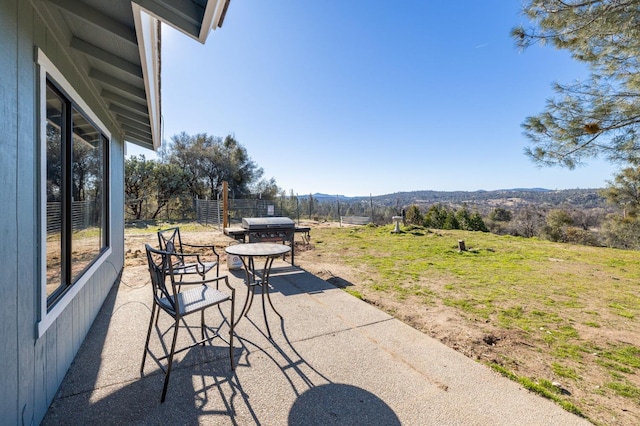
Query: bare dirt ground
point(477, 340)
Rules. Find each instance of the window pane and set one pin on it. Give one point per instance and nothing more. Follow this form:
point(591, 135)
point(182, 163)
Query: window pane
point(54, 191)
point(76, 193)
point(87, 190)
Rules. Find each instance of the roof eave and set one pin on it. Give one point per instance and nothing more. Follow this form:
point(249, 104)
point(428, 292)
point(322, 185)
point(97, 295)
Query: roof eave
point(214, 14)
point(147, 30)
point(147, 16)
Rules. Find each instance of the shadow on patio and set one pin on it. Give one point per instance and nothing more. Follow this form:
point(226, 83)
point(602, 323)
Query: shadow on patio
point(333, 360)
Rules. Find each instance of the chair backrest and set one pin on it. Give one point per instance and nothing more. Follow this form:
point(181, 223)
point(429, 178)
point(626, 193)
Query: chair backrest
point(169, 240)
point(160, 266)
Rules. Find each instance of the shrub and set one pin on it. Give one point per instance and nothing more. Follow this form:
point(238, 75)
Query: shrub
point(621, 232)
point(500, 214)
point(576, 235)
point(414, 216)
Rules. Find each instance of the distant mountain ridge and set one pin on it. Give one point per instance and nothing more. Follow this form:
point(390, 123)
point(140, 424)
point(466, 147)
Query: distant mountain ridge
point(587, 198)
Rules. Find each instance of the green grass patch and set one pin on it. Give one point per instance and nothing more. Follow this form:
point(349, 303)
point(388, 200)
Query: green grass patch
point(354, 293)
point(625, 389)
point(564, 371)
point(614, 368)
point(626, 355)
point(625, 310)
point(542, 387)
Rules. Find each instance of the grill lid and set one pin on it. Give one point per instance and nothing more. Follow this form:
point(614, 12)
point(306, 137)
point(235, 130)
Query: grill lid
point(252, 223)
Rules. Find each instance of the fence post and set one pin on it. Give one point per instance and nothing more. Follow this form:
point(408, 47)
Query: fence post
point(225, 205)
point(218, 209)
point(206, 217)
point(371, 201)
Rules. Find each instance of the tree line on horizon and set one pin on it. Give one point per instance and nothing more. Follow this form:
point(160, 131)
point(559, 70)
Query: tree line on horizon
point(606, 218)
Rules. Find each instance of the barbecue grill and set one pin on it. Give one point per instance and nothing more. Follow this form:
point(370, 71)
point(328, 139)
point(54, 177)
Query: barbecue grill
point(264, 224)
point(270, 229)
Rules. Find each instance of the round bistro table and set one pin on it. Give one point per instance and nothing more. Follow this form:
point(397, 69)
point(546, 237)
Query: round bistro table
point(247, 252)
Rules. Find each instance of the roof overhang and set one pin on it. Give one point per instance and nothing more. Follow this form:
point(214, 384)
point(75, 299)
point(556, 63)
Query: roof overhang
point(116, 47)
point(195, 19)
point(148, 31)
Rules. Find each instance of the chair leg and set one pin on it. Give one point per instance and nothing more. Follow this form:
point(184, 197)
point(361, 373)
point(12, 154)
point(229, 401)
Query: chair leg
point(154, 305)
point(170, 363)
point(146, 344)
point(202, 326)
point(231, 327)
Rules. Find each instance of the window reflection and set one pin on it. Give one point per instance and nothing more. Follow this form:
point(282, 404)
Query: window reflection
point(86, 184)
point(54, 190)
point(76, 193)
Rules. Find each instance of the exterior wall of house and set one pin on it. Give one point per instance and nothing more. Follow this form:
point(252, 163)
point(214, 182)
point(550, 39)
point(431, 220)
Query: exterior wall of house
point(33, 367)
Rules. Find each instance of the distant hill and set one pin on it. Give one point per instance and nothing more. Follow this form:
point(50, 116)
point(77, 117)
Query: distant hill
point(329, 197)
point(578, 198)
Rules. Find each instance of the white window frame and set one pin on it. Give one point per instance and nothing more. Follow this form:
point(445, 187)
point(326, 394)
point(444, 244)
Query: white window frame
point(47, 68)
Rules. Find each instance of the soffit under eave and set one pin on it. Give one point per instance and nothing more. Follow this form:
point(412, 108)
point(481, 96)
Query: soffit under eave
point(119, 52)
point(100, 41)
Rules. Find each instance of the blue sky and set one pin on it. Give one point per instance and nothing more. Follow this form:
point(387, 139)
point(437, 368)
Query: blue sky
point(364, 97)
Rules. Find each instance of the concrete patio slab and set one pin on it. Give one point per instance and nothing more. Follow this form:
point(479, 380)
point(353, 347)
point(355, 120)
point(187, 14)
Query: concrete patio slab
point(334, 359)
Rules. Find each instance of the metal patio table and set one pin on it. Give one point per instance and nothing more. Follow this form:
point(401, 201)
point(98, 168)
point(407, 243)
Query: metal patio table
point(247, 252)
